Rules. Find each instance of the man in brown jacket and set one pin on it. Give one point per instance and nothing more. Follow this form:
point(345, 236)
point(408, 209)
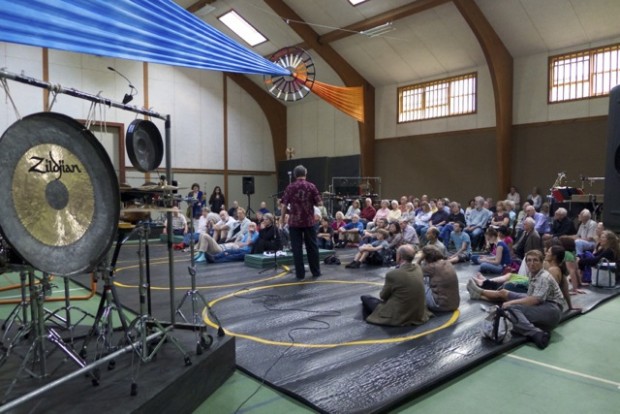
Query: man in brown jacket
point(402, 297)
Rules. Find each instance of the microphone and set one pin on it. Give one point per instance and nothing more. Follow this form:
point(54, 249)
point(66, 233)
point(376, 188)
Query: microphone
point(133, 91)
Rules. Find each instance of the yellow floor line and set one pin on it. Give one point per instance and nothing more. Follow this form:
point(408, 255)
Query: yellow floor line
point(564, 370)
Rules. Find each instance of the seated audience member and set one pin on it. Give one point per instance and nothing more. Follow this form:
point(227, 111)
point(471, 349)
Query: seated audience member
point(222, 227)
point(394, 213)
point(410, 236)
point(471, 205)
point(395, 239)
point(518, 227)
point(403, 204)
point(323, 209)
point(285, 235)
point(211, 251)
point(201, 227)
point(432, 239)
point(212, 219)
point(232, 211)
point(500, 217)
point(586, 238)
point(562, 225)
point(369, 235)
point(514, 196)
point(512, 215)
point(336, 225)
point(477, 222)
point(240, 228)
point(196, 201)
point(441, 281)
point(422, 218)
point(263, 208)
point(402, 300)
point(545, 210)
point(496, 262)
point(440, 217)
point(489, 205)
point(570, 262)
point(269, 239)
point(351, 232)
point(409, 213)
point(535, 198)
point(535, 313)
point(456, 215)
point(381, 213)
point(609, 249)
point(377, 246)
point(354, 209)
point(325, 235)
point(368, 212)
point(179, 223)
point(530, 239)
point(462, 243)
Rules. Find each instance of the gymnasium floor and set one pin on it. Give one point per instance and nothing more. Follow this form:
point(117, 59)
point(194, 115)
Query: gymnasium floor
point(577, 373)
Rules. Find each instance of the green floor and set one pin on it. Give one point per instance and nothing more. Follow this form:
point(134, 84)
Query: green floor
point(577, 373)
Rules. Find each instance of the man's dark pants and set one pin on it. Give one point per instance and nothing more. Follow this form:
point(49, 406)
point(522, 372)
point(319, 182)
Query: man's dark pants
point(299, 236)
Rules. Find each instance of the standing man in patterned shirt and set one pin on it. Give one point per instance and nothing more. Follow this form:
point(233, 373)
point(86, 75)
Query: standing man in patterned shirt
point(300, 197)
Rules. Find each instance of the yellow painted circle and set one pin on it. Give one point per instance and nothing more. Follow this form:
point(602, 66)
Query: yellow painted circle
point(455, 315)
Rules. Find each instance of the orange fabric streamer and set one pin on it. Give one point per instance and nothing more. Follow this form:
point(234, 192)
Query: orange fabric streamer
point(349, 100)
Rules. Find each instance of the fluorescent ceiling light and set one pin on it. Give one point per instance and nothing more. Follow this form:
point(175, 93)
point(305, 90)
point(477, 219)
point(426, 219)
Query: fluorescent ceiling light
point(378, 30)
point(356, 2)
point(242, 28)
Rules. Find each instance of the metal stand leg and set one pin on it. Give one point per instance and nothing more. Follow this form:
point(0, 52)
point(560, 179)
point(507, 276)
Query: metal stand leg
point(141, 327)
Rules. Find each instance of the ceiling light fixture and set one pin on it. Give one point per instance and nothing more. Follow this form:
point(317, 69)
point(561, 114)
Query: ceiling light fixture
point(378, 30)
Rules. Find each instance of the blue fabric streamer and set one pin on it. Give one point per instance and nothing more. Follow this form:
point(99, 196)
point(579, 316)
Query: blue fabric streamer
point(158, 31)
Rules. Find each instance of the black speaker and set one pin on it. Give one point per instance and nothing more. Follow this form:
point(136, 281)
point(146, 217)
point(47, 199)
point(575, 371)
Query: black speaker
point(611, 206)
point(248, 185)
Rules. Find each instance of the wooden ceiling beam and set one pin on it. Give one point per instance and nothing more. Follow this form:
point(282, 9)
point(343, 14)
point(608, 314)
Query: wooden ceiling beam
point(500, 63)
point(199, 5)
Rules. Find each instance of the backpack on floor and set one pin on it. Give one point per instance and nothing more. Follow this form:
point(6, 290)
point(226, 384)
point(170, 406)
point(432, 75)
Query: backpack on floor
point(496, 326)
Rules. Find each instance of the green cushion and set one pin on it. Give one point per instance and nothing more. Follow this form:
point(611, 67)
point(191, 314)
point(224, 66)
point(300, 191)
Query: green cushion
point(260, 261)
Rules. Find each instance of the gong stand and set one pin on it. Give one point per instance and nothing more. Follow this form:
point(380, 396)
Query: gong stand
point(203, 339)
point(58, 89)
point(109, 305)
point(145, 324)
point(34, 361)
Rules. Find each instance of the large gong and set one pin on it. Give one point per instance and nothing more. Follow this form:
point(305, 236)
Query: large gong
point(59, 196)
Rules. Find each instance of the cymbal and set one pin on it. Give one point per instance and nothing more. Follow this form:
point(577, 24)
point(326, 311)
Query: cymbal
point(146, 210)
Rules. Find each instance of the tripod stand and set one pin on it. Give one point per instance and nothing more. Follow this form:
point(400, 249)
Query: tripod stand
point(145, 323)
point(203, 339)
point(249, 211)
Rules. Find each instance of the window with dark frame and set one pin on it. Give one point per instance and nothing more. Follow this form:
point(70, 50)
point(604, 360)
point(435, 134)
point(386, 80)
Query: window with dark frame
point(439, 98)
point(584, 74)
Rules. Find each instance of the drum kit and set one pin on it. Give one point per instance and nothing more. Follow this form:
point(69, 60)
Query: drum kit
point(61, 215)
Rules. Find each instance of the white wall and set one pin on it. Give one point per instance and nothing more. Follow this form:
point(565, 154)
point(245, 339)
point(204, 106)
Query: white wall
point(18, 59)
point(386, 104)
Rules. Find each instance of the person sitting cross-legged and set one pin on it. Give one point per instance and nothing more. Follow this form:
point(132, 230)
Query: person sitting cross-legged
point(365, 250)
point(351, 231)
point(462, 244)
point(535, 313)
point(402, 300)
point(441, 281)
point(325, 235)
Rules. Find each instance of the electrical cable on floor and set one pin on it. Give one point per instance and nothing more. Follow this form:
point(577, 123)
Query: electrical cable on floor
point(269, 301)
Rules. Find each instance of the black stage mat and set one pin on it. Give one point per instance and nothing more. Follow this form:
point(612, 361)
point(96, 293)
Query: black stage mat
point(308, 339)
